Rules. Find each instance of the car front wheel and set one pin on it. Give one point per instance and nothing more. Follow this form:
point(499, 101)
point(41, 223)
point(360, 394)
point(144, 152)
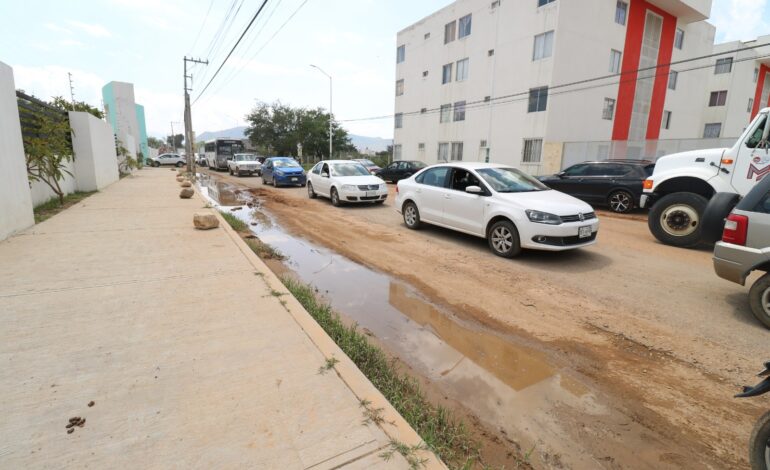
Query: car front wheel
point(411, 215)
point(621, 202)
point(310, 192)
point(179, 164)
point(335, 197)
point(503, 239)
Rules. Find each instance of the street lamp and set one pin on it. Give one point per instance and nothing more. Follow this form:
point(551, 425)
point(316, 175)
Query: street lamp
point(330, 106)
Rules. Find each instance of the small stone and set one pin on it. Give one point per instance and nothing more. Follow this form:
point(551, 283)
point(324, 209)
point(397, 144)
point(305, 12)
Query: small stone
point(186, 184)
point(236, 208)
point(186, 193)
point(75, 419)
point(205, 221)
point(70, 430)
point(81, 423)
point(180, 178)
point(91, 403)
point(69, 425)
point(172, 169)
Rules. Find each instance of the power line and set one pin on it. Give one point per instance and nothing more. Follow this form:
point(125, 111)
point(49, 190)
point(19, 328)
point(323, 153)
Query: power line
point(205, 18)
point(525, 94)
point(232, 50)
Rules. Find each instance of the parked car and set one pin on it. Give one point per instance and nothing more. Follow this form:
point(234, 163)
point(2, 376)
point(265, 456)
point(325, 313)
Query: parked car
point(508, 207)
point(244, 163)
point(345, 181)
point(368, 164)
point(283, 171)
point(169, 159)
point(617, 184)
point(200, 159)
point(745, 247)
point(399, 170)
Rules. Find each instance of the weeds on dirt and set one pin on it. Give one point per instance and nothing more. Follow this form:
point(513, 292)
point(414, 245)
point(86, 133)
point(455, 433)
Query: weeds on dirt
point(373, 415)
point(328, 365)
point(410, 453)
point(52, 207)
point(237, 224)
point(443, 433)
point(264, 251)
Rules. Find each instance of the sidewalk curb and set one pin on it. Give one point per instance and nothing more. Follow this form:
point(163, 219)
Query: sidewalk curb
point(394, 426)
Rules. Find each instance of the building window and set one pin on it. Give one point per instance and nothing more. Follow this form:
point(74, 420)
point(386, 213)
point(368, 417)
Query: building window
point(399, 121)
point(609, 109)
point(483, 143)
point(712, 130)
point(532, 150)
point(540, 3)
point(543, 46)
point(679, 39)
point(750, 107)
point(427, 35)
point(490, 52)
point(621, 9)
point(399, 87)
point(538, 99)
point(425, 73)
point(459, 114)
point(672, 78)
point(615, 61)
point(446, 113)
point(718, 98)
point(723, 66)
point(421, 147)
point(756, 75)
point(443, 151)
point(449, 32)
point(457, 151)
point(462, 70)
point(400, 54)
point(666, 119)
point(446, 74)
point(397, 152)
point(464, 27)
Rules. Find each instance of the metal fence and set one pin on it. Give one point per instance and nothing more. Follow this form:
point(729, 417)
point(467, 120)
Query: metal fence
point(30, 109)
point(576, 152)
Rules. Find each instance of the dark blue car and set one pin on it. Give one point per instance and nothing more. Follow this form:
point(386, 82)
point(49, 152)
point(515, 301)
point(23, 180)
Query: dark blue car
point(283, 171)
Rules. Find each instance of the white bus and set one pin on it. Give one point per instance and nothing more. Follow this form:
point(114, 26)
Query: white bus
point(220, 151)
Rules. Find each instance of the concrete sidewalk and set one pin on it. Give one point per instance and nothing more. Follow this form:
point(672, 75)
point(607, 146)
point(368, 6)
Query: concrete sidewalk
point(176, 337)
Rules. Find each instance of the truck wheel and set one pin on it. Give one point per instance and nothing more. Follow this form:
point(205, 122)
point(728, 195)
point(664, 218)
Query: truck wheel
point(676, 219)
point(759, 299)
point(713, 221)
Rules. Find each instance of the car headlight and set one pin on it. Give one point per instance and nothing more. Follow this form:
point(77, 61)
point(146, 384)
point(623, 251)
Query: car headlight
point(348, 187)
point(543, 217)
point(278, 173)
point(383, 187)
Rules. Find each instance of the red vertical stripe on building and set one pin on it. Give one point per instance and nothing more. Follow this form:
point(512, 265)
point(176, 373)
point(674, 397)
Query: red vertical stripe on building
point(631, 53)
point(661, 78)
point(763, 69)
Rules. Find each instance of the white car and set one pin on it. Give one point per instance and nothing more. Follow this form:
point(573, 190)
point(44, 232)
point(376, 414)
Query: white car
point(345, 181)
point(508, 207)
point(244, 163)
point(169, 159)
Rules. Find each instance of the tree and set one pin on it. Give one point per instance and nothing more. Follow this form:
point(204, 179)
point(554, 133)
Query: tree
point(177, 141)
point(47, 151)
point(278, 128)
point(154, 142)
point(64, 105)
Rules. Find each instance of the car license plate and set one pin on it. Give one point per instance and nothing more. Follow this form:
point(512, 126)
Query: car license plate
point(295, 179)
point(584, 232)
point(371, 193)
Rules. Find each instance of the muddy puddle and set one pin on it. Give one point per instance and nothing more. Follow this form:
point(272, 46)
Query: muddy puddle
point(511, 388)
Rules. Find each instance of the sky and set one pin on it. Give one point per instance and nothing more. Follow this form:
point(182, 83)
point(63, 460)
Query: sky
point(144, 41)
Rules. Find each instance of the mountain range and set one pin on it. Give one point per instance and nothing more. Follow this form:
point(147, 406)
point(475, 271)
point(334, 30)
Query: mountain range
point(361, 142)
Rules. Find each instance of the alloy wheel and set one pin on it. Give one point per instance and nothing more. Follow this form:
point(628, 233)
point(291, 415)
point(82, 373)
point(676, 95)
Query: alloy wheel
point(766, 307)
point(502, 239)
point(410, 215)
point(620, 202)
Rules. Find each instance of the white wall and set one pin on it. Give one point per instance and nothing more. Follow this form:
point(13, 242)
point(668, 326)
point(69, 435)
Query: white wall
point(41, 192)
point(96, 161)
point(15, 200)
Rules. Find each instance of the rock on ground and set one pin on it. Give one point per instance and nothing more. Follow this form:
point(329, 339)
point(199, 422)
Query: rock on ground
point(205, 221)
point(186, 193)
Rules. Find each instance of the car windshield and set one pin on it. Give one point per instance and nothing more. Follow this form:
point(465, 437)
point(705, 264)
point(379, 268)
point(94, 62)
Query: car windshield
point(285, 163)
point(245, 158)
point(419, 164)
point(510, 180)
point(349, 169)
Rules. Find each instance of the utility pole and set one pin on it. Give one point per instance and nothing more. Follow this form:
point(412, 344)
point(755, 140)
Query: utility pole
point(331, 118)
point(72, 91)
point(188, 132)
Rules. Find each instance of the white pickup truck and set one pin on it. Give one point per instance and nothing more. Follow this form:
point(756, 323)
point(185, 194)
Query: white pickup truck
point(682, 183)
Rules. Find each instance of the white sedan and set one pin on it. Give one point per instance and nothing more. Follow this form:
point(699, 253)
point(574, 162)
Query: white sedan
point(345, 181)
point(509, 208)
point(244, 163)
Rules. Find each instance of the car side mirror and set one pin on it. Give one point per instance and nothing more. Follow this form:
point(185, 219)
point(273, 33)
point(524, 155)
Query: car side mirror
point(561, 174)
point(474, 190)
point(324, 175)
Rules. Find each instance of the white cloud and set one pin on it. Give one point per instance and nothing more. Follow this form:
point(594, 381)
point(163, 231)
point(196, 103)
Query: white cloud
point(52, 80)
point(740, 19)
point(70, 43)
point(57, 28)
point(95, 30)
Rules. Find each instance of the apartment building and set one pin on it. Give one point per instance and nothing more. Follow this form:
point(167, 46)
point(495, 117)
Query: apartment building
point(513, 81)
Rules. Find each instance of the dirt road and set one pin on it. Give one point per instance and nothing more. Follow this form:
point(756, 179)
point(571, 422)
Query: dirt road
point(650, 325)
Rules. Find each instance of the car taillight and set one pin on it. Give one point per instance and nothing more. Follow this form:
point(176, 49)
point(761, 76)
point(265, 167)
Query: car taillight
point(648, 184)
point(736, 227)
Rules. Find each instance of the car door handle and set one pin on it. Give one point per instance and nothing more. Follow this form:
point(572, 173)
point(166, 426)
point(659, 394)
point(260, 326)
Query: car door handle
point(447, 196)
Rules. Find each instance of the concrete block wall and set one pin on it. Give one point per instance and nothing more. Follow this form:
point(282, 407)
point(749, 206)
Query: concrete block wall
point(15, 198)
point(96, 160)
